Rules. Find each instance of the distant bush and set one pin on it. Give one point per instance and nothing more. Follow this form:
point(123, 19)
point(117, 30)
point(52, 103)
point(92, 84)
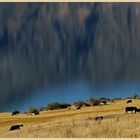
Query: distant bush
point(81, 103)
point(117, 99)
point(42, 108)
point(33, 110)
point(94, 101)
point(128, 97)
point(103, 98)
point(135, 96)
point(55, 106)
point(104, 102)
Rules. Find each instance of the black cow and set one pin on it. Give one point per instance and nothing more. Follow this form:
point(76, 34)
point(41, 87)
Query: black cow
point(99, 118)
point(15, 113)
point(36, 113)
point(15, 127)
point(104, 102)
point(129, 101)
point(79, 107)
point(131, 108)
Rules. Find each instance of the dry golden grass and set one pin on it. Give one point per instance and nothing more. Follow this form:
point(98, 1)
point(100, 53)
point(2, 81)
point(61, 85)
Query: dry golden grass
point(75, 123)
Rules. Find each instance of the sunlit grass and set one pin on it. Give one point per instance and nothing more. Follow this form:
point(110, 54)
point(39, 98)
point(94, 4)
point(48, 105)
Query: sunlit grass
point(75, 123)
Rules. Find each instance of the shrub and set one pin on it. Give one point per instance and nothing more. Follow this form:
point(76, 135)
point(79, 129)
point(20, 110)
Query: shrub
point(117, 99)
point(64, 105)
point(55, 106)
point(103, 98)
point(81, 103)
point(94, 101)
point(104, 102)
point(135, 96)
point(33, 110)
point(42, 108)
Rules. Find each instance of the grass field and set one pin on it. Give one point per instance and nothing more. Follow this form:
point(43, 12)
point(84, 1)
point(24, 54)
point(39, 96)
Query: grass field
point(75, 123)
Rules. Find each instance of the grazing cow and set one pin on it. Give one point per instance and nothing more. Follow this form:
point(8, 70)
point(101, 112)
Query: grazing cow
point(99, 118)
point(104, 102)
point(79, 107)
point(129, 101)
point(15, 127)
point(15, 113)
point(36, 113)
point(131, 108)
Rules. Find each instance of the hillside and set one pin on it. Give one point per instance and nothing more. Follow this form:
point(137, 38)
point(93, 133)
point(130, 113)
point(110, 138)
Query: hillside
point(75, 123)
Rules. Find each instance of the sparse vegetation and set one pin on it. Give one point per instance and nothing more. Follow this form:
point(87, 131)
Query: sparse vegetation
point(81, 103)
point(72, 123)
point(33, 110)
point(94, 101)
point(135, 96)
point(75, 124)
point(55, 106)
point(42, 108)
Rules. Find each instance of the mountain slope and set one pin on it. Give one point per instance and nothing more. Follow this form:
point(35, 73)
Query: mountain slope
point(43, 44)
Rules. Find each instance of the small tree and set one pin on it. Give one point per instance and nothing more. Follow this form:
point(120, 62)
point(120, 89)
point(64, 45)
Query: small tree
point(94, 101)
point(103, 98)
point(33, 110)
point(135, 96)
point(55, 106)
point(42, 108)
point(104, 102)
point(81, 103)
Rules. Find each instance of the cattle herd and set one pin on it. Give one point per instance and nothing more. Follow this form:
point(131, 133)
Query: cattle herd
point(131, 109)
point(17, 127)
